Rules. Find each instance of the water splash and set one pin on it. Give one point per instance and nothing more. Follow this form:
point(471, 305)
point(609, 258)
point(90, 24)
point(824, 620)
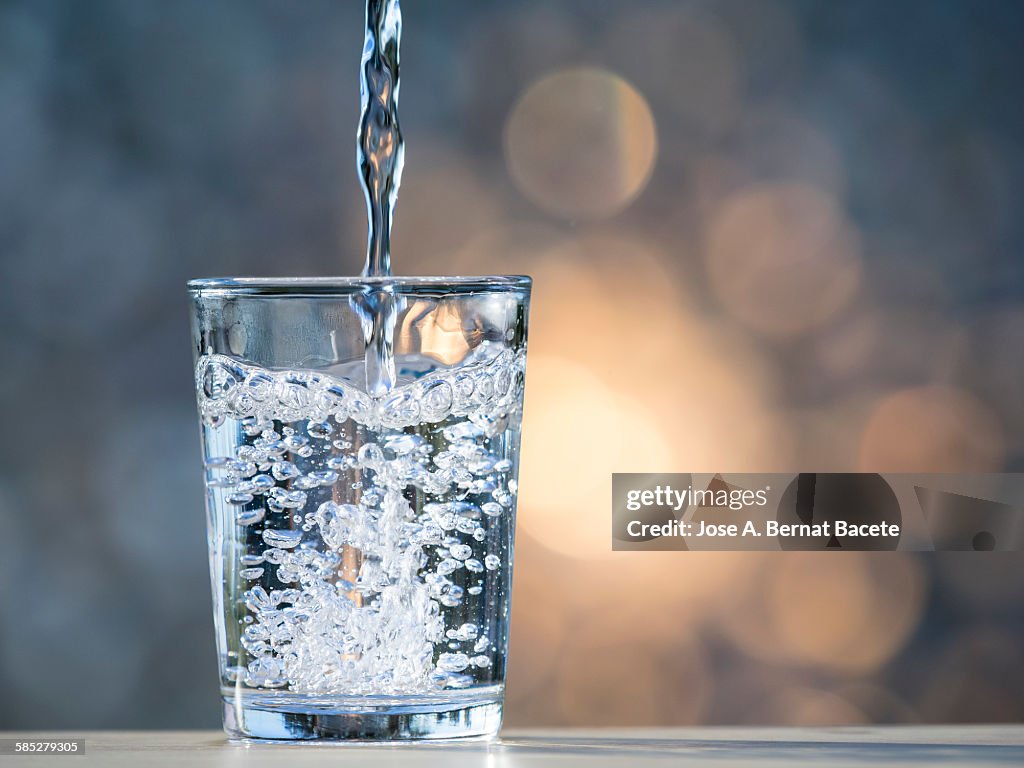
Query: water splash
point(380, 151)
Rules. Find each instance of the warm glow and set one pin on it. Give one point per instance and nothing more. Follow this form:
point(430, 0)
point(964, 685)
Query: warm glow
point(439, 328)
point(850, 612)
point(581, 143)
point(932, 429)
point(577, 432)
point(782, 258)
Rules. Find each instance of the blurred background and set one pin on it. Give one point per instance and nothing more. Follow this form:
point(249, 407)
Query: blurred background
point(767, 235)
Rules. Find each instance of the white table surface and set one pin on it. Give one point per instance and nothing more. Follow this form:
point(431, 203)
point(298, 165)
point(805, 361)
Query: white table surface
point(633, 748)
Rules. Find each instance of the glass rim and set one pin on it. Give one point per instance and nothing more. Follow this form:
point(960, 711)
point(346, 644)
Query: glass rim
point(328, 286)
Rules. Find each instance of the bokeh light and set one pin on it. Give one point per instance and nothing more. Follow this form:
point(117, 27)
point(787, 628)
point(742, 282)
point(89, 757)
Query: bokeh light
point(931, 429)
point(847, 614)
point(580, 431)
point(581, 143)
point(782, 258)
point(634, 318)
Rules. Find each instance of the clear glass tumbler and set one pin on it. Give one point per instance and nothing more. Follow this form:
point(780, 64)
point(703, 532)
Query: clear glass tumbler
point(360, 440)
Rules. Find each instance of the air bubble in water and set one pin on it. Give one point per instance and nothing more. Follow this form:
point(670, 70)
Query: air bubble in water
point(401, 408)
point(217, 379)
point(379, 628)
point(295, 442)
point(262, 483)
point(274, 556)
point(252, 426)
point(465, 525)
point(436, 399)
point(442, 515)
point(459, 681)
point(319, 430)
point(339, 463)
point(452, 597)
point(266, 672)
point(465, 430)
point(452, 662)
point(250, 516)
point(324, 477)
point(270, 446)
point(287, 499)
point(243, 468)
point(285, 471)
point(463, 386)
point(430, 534)
point(282, 539)
point(448, 565)
point(370, 455)
point(260, 386)
point(258, 597)
point(403, 444)
point(332, 401)
point(305, 483)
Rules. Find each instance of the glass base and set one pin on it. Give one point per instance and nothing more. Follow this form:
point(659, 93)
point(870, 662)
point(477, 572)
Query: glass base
point(281, 716)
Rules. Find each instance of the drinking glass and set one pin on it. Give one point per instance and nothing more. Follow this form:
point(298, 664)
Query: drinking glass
point(360, 440)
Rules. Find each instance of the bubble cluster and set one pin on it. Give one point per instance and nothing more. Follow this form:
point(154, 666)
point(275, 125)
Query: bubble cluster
point(228, 388)
point(370, 533)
